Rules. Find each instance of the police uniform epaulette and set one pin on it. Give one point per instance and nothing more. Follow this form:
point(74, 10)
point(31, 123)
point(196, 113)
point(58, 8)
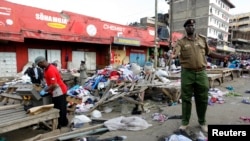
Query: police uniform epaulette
point(203, 36)
point(182, 38)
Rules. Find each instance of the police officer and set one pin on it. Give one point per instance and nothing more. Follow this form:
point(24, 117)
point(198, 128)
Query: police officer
point(192, 50)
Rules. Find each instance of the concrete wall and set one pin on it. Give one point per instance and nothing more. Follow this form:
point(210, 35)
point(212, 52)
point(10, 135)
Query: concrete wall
point(186, 9)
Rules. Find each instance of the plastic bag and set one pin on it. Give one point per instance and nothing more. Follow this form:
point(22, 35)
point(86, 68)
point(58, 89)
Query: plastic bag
point(79, 120)
point(127, 123)
point(175, 137)
point(162, 73)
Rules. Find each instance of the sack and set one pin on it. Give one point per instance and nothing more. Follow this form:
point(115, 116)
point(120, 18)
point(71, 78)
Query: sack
point(127, 123)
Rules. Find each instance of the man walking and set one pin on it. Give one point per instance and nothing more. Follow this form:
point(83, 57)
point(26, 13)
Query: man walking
point(192, 50)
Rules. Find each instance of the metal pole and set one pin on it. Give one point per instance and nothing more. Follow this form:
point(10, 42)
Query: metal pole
point(169, 61)
point(171, 24)
point(156, 28)
point(110, 53)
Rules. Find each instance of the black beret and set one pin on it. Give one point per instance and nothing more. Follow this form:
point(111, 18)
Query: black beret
point(189, 21)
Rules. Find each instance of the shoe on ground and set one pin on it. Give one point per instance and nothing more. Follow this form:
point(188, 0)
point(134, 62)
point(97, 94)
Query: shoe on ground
point(183, 127)
point(204, 128)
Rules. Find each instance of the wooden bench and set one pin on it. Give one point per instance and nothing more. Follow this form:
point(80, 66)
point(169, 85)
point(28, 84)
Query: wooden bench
point(212, 78)
point(224, 71)
point(14, 117)
point(246, 70)
point(238, 71)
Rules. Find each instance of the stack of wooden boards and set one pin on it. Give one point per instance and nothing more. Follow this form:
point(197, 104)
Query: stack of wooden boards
point(13, 114)
point(14, 117)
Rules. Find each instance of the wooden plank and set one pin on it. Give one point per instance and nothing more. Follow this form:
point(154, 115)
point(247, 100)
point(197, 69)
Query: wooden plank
point(166, 92)
point(9, 111)
point(129, 99)
point(115, 97)
point(2, 116)
point(12, 96)
point(224, 71)
point(53, 138)
point(9, 107)
point(29, 120)
point(238, 72)
point(212, 78)
point(13, 118)
point(106, 94)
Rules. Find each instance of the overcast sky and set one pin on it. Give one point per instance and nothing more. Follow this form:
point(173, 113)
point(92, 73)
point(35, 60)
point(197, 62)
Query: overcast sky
point(117, 11)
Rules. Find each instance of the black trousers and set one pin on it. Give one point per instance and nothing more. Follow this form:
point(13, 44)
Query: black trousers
point(61, 104)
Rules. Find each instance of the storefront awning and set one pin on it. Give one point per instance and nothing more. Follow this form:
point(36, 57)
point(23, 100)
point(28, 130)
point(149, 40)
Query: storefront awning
point(11, 37)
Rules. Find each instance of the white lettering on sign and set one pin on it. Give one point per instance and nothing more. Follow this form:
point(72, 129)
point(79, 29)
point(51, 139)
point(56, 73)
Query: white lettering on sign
point(5, 11)
point(43, 17)
point(119, 34)
point(113, 27)
point(151, 32)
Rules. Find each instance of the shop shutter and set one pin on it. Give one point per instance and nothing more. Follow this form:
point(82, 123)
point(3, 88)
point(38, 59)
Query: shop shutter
point(8, 66)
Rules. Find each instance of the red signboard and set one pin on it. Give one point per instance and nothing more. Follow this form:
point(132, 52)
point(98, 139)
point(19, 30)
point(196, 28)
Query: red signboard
point(32, 22)
point(9, 23)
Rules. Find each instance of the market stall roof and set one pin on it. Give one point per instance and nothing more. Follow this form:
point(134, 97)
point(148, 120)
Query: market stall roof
point(19, 21)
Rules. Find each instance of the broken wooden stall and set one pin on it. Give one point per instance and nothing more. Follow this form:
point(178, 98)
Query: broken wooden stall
point(13, 114)
point(15, 117)
point(136, 89)
point(133, 92)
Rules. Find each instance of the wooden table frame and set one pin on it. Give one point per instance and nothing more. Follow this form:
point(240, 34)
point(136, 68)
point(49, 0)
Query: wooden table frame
point(224, 71)
point(238, 71)
point(213, 77)
point(15, 118)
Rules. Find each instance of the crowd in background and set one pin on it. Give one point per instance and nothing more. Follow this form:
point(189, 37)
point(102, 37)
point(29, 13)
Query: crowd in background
point(164, 60)
point(236, 60)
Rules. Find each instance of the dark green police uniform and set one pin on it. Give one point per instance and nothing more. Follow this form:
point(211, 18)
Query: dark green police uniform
point(194, 81)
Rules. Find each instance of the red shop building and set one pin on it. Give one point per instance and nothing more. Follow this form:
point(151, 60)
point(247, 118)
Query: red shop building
point(27, 32)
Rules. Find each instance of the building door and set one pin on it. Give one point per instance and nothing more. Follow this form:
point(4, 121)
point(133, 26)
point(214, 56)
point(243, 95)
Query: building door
point(90, 60)
point(53, 55)
point(137, 58)
point(8, 66)
point(89, 57)
point(33, 53)
point(77, 57)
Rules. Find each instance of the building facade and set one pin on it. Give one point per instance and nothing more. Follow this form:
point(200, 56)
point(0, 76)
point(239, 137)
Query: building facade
point(240, 32)
point(66, 37)
point(212, 19)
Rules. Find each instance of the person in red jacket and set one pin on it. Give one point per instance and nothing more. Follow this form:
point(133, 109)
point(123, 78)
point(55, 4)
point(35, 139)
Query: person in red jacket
point(56, 87)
